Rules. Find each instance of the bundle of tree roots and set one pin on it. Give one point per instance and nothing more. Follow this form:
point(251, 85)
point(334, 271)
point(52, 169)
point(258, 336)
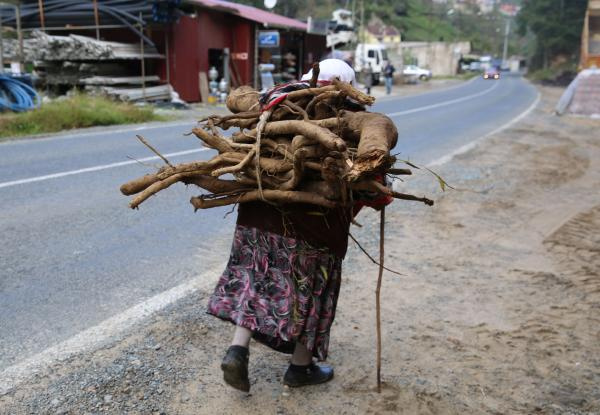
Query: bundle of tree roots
point(316, 146)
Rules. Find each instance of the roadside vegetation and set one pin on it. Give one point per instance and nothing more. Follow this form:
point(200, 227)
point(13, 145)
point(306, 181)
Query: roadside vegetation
point(77, 111)
point(556, 75)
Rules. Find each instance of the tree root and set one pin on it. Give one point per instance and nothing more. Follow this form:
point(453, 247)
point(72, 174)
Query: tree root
point(353, 93)
point(279, 159)
point(238, 167)
point(276, 196)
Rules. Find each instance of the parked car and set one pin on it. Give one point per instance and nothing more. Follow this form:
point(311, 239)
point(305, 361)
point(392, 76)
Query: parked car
point(415, 71)
point(491, 73)
point(475, 66)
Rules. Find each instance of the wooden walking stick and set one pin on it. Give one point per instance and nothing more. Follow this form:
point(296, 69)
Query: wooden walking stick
point(377, 292)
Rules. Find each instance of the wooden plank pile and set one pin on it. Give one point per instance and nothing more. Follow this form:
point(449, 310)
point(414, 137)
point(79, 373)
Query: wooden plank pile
point(136, 93)
point(119, 80)
point(83, 48)
point(101, 67)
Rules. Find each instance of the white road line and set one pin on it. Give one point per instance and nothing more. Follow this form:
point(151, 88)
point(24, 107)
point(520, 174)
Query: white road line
point(95, 168)
point(99, 335)
point(418, 94)
point(443, 104)
point(475, 143)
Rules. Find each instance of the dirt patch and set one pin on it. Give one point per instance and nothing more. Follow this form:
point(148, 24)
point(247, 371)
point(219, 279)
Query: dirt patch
point(497, 311)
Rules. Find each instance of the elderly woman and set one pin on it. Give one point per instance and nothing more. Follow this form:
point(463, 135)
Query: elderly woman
point(282, 282)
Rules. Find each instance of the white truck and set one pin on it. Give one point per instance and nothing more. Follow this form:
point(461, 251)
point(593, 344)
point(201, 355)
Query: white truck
point(373, 53)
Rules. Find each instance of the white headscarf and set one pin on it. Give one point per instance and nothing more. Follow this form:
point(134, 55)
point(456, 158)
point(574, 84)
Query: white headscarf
point(332, 68)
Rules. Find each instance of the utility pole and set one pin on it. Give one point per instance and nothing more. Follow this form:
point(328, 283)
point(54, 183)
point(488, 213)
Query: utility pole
point(505, 49)
point(362, 22)
point(1, 46)
point(19, 35)
point(355, 38)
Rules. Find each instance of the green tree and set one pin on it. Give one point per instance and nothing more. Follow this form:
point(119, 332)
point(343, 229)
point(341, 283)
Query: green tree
point(417, 20)
point(557, 26)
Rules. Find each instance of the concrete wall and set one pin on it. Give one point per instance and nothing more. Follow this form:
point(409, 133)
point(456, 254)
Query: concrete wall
point(440, 57)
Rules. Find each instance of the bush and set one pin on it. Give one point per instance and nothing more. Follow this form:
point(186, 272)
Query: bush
point(559, 75)
point(78, 111)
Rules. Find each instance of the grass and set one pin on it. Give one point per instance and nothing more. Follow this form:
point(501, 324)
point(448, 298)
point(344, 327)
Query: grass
point(553, 73)
point(78, 111)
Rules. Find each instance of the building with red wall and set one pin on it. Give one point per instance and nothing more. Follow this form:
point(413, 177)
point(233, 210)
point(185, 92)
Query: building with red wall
point(193, 44)
point(195, 36)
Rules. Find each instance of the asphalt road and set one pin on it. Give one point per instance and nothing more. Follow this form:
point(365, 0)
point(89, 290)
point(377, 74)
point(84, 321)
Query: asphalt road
point(72, 254)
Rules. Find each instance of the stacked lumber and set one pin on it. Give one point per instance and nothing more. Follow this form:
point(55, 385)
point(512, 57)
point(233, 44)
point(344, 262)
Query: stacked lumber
point(134, 94)
point(102, 67)
point(310, 148)
point(83, 48)
point(128, 88)
point(11, 49)
point(119, 80)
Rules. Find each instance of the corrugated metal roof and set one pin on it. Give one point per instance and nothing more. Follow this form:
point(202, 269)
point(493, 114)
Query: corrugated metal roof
point(251, 13)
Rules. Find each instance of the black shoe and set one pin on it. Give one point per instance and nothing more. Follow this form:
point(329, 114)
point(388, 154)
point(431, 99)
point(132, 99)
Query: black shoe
point(311, 374)
point(235, 368)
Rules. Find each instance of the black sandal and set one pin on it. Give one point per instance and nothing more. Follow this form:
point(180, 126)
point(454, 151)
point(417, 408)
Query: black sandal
point(235, 368)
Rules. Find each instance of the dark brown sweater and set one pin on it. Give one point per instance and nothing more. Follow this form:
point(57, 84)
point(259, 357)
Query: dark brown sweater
point(320, 227)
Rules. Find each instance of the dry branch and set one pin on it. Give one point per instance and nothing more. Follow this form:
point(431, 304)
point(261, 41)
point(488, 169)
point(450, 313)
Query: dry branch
point(277, 196)
point(287, 160)
point(354, 93)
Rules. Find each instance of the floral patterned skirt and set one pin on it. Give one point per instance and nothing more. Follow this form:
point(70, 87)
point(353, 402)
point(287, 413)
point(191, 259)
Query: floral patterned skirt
point(282, 289)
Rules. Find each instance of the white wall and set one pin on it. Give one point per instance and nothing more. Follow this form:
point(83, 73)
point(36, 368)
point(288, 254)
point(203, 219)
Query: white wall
point(440, 57)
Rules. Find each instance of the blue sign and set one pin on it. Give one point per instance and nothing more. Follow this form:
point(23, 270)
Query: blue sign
point(268, 39)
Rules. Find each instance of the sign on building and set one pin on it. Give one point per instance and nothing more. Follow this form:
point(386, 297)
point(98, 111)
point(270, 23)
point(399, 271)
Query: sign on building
point(268, 39)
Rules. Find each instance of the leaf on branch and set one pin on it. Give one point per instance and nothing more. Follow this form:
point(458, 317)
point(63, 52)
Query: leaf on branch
point(443, 183)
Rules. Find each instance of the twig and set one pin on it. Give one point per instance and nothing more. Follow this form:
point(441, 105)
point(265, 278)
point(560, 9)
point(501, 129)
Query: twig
point(377, 294)
point(263, 119)
point(297, 108)
point(238, 167)
point(353, 93)
point(278, 196)
point(230, 211)
point(315, 75)
point(355, 223)
point(405, 172)
point(320, 97)
point(373, 260)
point(155, 151)
point(404, 196)
point(156, 166)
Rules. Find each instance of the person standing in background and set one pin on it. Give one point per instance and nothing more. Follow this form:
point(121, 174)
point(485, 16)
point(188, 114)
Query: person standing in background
point(368, 77)
point(388, 74)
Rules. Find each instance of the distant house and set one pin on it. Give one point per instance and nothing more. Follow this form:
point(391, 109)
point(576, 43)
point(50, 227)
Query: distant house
point(378, 32)
point(253, 36)
point(391, 35)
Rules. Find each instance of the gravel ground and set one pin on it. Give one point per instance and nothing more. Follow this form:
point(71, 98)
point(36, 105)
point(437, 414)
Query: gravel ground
point(497, 310)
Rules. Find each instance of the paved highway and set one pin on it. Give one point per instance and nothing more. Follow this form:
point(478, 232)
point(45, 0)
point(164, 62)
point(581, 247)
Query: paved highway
point(73, 255)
